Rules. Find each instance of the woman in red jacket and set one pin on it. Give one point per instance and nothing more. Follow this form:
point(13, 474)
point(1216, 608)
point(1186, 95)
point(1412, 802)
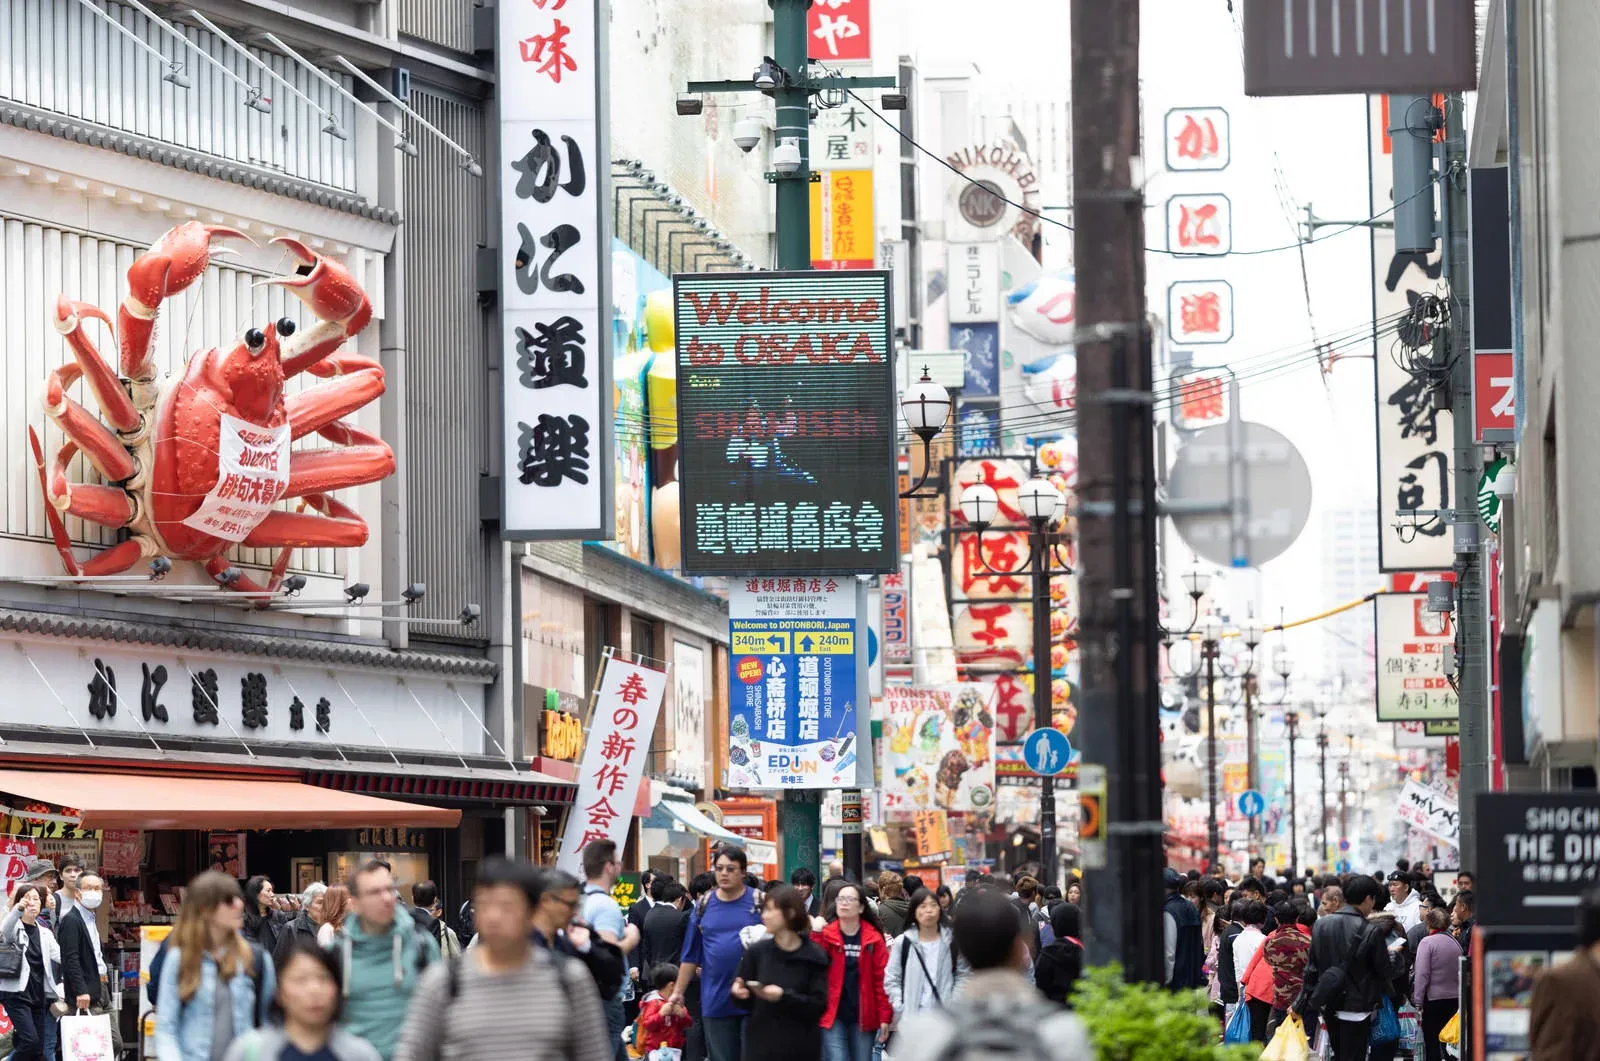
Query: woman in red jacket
point(859, 1012)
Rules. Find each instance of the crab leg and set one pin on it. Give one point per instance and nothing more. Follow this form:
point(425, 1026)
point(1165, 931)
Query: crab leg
point(172, 263)
point(331, 293)
point(358, 380)
point(113, 400)
point(341, 527)
point(109, 456)
point(366, 458)
point(108, 506)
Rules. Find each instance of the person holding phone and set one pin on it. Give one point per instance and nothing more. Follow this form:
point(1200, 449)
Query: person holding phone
point(783, 981)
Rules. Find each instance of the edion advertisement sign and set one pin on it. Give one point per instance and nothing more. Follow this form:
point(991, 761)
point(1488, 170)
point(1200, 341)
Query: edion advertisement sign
point(786, 416)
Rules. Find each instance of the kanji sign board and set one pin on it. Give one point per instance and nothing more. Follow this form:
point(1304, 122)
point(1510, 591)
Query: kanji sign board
point(842, 136)
point(787, 421)
point(555, 267)
point(625, 707)
point(839, 29)
point(1200, 311)
point(1429, 811)
point(792, 683)
point(1197, 138)
point(1411, 640)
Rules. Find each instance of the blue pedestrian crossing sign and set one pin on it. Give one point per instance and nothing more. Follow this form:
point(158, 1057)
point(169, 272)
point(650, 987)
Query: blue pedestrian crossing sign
point(1251, 803)
point(1046, 751)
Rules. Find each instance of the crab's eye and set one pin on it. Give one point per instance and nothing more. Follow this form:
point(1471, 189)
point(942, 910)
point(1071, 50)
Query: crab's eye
point(285, 327)
point(255, 339)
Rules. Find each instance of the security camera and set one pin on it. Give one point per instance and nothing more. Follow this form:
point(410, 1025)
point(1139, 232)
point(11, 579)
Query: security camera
point(747, 133)
point(469, 614)
point(414, 592)
point(356, 592)
point(786, 157)
point(292, 585)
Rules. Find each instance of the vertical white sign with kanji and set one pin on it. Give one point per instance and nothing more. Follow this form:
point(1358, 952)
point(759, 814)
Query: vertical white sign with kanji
point(619, 732)
point(842, 136)
point(974, 282)
point(1199, 224)
point(1200, 312)
point(554, 249)
point(1411, 641)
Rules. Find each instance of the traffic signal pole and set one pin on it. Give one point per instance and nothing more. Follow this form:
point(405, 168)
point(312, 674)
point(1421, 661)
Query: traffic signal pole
point(799, 811)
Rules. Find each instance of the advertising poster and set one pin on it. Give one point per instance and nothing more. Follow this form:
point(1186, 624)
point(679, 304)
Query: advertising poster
point(792, 683)
point(626, 704)
point(939, 743)
point(16, 851)
point(225, 852)
point(121, 852)
point(787, 424)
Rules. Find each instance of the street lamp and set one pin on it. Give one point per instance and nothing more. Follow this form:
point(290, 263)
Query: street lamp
point(1211, 634)
point(1291, 723)
point(926, 407)
point(1322, 752)
point(1043, 505)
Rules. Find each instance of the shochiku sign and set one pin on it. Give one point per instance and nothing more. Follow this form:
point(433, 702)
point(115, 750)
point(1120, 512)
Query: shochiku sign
point(625, 709)
point(555, 260)
point(786, 416)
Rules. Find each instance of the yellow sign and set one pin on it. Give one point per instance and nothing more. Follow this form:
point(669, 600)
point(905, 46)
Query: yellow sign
point(819, 642)
point(842, 232)
point(759, 642)
point(1235, 778)
point(563, 736)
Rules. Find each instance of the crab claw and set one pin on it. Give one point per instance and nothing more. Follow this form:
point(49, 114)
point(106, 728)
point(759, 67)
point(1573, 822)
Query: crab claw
point(325, 286)
point(173, 262)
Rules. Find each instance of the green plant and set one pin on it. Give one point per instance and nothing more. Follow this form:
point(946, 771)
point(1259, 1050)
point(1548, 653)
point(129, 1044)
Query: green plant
point(1143, 1022)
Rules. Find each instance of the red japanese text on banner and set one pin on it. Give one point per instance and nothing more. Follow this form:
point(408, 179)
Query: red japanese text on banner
point(625, 708)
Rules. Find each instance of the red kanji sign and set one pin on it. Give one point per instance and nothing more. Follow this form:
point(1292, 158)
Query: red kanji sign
point(839, 29)
point(1199, 224)
point(550, 51)
point(1197, 138)
point(1494, 392)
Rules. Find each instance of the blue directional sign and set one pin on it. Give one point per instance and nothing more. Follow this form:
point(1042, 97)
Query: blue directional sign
point(1046, 751)
point(1251, 803)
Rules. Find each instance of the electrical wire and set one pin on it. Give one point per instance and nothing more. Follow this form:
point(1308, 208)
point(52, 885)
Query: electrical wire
point(1426, 189)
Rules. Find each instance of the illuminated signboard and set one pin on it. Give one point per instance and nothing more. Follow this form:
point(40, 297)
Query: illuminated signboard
point(786, 413)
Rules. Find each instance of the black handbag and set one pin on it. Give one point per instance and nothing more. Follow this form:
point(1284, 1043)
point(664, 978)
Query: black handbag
point(12, 959)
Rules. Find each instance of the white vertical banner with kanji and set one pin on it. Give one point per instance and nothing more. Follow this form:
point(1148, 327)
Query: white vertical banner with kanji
point(555, 267)
point(619, 732)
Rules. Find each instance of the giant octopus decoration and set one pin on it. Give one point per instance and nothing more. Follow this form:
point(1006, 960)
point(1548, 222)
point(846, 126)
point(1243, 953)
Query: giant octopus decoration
point(195, 464)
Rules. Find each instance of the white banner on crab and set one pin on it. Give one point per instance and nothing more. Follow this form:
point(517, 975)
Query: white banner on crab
point(252, 474)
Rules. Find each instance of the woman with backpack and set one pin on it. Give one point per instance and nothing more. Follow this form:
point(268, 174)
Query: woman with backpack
point(214, 984)
point(925, 971)
point(307, 1006)
point(859, 1012)
point(1061, 960)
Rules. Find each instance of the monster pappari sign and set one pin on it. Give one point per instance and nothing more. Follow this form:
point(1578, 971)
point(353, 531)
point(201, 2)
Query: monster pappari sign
point(786, 412)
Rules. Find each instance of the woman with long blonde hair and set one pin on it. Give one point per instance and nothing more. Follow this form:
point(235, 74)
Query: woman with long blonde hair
point(215, 985)
point(335, 908)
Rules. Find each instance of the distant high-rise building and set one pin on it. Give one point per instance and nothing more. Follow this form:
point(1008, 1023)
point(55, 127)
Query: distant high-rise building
point(1350, 570)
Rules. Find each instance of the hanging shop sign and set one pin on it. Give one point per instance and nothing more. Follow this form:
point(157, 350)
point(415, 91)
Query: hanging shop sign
point(974, 282)
point(1494, 394)
point(104, 688)
point(792, 697)
point(842, 136)
point(1429, 811)
point(842, 232)
point(1200, 224)
point(839, 29)
point(555, 271)
point(787, 422)
point(687, 758)
point(1412, 686)
point(999, 193)
point(1537, 852)
point(939, 749)
point(626, 703)
point(562, 737)
point(980, 346)
point(1200, 312)
point(897, 615)
point(1414, 435)
point(15, 854)
point(1200, 401)
point(1197, 138)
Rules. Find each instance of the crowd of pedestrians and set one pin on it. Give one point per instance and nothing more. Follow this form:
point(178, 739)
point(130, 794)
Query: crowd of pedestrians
point(1368, 964)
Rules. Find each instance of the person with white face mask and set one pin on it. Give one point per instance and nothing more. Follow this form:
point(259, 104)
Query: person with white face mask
point(83, 962)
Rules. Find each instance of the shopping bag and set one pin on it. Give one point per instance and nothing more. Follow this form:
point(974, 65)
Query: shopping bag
point(86, 1038)
point(1238, 1025)
point(1451, 1032)
point(666, 1053)
point(1410, 1029)
point(1288, 1042)
point(1385, 1025)
point(1322, 1046)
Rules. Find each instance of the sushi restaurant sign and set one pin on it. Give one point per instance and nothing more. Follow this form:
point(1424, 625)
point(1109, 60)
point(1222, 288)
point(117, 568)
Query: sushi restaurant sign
point(792, 683)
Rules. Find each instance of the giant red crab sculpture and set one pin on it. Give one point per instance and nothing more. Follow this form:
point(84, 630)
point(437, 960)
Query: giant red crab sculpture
point(196, 463)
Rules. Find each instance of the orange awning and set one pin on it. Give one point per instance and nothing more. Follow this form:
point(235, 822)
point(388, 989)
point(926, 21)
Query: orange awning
point(163, 801)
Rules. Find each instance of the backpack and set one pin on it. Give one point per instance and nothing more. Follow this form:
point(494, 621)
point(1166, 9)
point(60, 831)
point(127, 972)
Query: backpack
point(996, 1033)
point(748, 934)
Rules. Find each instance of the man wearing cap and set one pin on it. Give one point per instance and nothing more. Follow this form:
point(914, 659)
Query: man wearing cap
point(42, 871)
point(1181, 929)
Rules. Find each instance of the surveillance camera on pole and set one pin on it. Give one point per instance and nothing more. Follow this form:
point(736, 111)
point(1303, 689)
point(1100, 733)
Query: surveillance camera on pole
point(1412, 124)
point(786, 156)
point(747, 133)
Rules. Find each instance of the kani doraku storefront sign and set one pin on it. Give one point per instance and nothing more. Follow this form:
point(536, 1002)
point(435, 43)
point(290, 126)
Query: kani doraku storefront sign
point(786, 419)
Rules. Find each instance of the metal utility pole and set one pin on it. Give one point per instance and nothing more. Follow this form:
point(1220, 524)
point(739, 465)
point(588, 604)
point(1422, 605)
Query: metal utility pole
point(1210, 649)
point(786, 77)
point(1117, 517)
point(1291, 721)
point(1472, 623)
point(1252, 759)
point(1039, 539)
point(1322, 749)
point(1344, 806)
